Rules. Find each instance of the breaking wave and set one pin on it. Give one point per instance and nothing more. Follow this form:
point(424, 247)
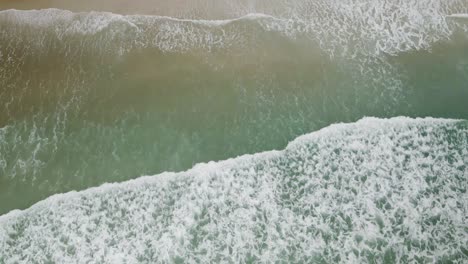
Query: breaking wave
point(345, 28)
point(378, 190)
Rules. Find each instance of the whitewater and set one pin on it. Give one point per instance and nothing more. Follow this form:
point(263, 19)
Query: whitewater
point(202, 131)
point(378, 190)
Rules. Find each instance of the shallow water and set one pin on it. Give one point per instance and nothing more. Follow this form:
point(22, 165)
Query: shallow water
point(89, 97)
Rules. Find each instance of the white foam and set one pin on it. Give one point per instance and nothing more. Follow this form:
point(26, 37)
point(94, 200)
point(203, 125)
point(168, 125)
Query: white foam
point(346, 28)
point(378, 188)
point(462, 16)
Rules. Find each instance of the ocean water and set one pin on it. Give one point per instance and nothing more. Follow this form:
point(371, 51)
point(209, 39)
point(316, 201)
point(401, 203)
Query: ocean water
point(305, 131)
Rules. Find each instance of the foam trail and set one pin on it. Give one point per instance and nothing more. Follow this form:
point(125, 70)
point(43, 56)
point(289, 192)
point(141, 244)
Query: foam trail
point(459, 17)
point(463, 16)
point(378, 190)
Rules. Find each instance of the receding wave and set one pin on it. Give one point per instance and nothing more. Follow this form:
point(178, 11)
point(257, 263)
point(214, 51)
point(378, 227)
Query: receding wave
point(378, 190)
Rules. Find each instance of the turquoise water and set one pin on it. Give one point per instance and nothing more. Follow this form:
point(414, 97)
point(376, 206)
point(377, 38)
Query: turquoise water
point(88, 98)
point(379, 190)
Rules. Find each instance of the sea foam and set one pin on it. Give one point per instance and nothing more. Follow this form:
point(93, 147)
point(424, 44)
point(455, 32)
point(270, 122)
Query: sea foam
point(377, 190)
point(341, 27)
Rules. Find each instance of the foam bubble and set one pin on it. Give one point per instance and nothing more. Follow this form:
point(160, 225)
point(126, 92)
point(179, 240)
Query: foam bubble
point(378, 190)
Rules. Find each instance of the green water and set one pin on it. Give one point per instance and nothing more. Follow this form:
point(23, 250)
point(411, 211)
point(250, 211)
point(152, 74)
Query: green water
point(77, 112)
point(92, 98)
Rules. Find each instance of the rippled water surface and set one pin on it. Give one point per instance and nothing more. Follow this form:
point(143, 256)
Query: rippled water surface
point(94, 93)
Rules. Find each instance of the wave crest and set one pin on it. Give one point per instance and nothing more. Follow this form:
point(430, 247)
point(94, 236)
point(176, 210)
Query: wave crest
point(345, 28)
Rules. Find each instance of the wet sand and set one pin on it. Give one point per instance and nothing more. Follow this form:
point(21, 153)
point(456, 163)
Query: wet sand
point(118, 6)
point(206, 9)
